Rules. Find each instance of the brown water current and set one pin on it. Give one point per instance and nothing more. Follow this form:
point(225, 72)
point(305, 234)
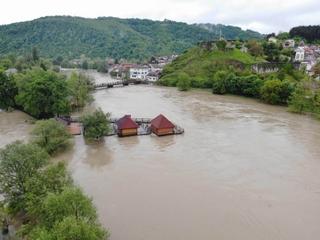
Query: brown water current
point(243, 170)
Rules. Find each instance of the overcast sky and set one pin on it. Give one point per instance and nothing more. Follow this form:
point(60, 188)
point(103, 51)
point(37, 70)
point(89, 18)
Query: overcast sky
point(264, 16)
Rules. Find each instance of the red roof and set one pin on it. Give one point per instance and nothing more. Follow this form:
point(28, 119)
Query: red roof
point(126, 122)
point(161, 122)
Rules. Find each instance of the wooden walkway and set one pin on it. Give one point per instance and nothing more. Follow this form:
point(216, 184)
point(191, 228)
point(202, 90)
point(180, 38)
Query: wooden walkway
point(74, 126)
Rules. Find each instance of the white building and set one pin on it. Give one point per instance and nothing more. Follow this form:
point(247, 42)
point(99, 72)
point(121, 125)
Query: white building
point(139, 73)
point(153, 77)
point(290, 43)
point(299, 54)
point(273, 40)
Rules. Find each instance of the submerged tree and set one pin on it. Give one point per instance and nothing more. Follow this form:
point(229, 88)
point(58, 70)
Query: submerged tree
point(51, 135)
point(95, 125)
point(79, 87)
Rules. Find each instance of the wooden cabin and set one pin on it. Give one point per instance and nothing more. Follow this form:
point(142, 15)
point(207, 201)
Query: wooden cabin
point(162, 126)
point(127, 127)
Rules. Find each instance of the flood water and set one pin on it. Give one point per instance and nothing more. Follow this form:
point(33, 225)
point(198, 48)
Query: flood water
point(243, 170)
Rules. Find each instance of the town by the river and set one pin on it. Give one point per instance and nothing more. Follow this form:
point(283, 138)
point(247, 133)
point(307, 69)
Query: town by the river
point(241, 170)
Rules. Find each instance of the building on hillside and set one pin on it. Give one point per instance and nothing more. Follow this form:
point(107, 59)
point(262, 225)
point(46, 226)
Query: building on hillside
point(162, 126)
point(290, 43)
point(139, 72)
point(153, 76)
point(11, 71)
point(299, 57)
point(244, 49)
point(126, 127)
point(273, 40)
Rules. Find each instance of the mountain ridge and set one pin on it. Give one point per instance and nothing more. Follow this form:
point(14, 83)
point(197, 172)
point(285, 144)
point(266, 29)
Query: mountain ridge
point(130, 38)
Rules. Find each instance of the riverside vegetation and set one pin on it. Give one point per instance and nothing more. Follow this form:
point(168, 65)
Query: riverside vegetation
point(39, 194)
point(40, 91)
point(229, 71)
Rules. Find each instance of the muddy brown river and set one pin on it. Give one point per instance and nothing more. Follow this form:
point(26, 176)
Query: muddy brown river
point(243, 170)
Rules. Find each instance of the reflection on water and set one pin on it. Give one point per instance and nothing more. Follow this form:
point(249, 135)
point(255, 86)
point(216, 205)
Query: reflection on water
point(242, 170)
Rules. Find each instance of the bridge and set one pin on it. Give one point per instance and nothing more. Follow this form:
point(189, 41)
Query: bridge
point(116, 83)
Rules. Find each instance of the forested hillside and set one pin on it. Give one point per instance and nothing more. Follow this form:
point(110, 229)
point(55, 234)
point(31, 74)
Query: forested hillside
point(71, 37)
point(310, 33)
point(230, 32)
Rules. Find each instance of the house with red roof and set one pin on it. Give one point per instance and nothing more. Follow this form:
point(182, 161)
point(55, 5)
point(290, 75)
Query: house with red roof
point(162, 126)
point(127, 127)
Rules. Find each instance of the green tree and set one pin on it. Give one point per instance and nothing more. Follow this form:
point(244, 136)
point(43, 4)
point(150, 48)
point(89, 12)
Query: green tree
point(250, 85)
point(270, 91)
point(301, 100)
point(52, 179)
point(219, 85)
point(5, 63)
point(8, 91)
point(85, 65)
point(79, 87)
point(42, 94)
point(95, 125)
point(71, 202)
point(35, 54)
point(51, 135)
point(276, 92)
point(272, 51)
point(221, 45)
point(71, 228)
point(74, 228)
point(283, 36)
point(254, 48)
point(18, 163)
point(183, 81)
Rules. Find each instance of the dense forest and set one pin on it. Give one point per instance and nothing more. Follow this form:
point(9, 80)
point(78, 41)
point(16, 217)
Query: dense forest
point(230, 32)
point(136, 39)
point(310, 33)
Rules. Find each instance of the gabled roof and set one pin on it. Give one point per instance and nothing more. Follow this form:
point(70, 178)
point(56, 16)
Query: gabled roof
point(161, 122)
point(126, 122)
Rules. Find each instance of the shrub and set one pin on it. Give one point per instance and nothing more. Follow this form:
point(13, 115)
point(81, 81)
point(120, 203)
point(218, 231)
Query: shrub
point(184, 82)
point(250, 85)
point(219, 85)
point(270, 91)
point(276, 91)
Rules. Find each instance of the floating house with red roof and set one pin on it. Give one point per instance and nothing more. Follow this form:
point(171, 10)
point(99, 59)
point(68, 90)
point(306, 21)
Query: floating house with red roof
point(126, 126)
point(162, 126)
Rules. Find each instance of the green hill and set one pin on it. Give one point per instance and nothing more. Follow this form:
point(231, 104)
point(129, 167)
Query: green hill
point(230, 32)
point(70, 37)
point(200, 65)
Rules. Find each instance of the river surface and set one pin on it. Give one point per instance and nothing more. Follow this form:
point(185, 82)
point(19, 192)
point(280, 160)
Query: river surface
point(243, 170)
